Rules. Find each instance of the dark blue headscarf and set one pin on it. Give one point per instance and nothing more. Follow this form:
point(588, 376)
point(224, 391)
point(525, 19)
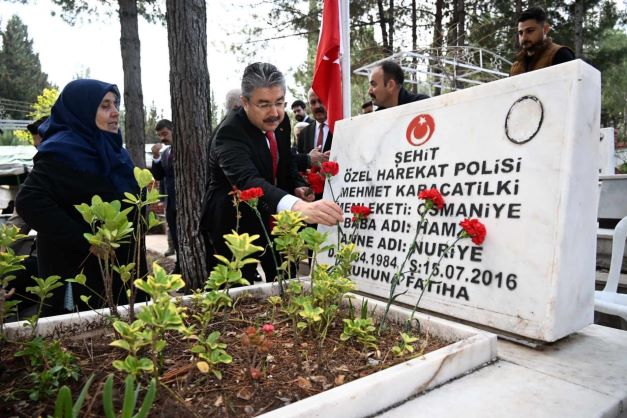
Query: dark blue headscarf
point(71, 135)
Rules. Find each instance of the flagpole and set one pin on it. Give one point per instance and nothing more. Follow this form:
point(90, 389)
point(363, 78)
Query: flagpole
point(345, 59)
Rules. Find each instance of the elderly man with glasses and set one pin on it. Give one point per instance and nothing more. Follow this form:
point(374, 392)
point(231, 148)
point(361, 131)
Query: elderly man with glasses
point(252, 149)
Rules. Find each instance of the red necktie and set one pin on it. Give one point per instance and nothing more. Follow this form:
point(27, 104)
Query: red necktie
point(320, 137)
point(274, 152)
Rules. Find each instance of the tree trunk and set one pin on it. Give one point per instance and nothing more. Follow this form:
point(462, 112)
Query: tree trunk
point(190, 95)
point(414, 26)
point(391, 26)
point(519, 10)
point(384, 30)
point(451, 35)
point(437, 42)
point(461, 22)
point(414, 42)
point(578, 16)
point(133, 95)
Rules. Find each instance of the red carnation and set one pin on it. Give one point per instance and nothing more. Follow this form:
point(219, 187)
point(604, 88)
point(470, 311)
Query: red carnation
point(360, 212)
point(432, 195)
point(330, 168)
point(250, 194)
point(267, 329)
point(474, 229)
point(316, 182)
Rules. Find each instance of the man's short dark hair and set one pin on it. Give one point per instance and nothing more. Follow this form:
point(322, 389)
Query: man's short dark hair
point(367, 104)
point(33, 127)
point(392, 71)
point(299, 103)
point(164, 123)
point(536, 13)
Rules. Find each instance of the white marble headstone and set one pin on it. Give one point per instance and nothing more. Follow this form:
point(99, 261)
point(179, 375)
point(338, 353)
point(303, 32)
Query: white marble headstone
point(520, 155)
point(607, 160)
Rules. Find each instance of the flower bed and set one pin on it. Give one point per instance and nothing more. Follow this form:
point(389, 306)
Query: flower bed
point(281, 384)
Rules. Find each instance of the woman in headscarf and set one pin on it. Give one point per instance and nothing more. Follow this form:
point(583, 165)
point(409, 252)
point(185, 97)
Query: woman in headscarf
point(81, 155)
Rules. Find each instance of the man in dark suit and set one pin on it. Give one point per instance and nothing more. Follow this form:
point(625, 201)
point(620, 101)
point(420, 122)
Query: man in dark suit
point(314, 141)
point(252, 149)
point(163, 171)
point(299, 108)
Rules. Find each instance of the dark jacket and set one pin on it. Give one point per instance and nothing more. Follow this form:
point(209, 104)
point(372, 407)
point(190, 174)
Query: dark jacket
point(46, 202)
point(305, 143)
point(405, 97)
point(163, 171)
point(239, 156)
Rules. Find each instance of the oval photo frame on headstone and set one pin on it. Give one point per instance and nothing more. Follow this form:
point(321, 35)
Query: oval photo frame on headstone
point(524, 119)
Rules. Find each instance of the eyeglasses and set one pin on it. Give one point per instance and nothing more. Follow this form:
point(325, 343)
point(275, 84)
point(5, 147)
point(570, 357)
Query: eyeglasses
point(267, 106)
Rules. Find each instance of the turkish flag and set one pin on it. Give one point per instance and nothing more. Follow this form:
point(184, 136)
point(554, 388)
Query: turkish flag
point(327, 79)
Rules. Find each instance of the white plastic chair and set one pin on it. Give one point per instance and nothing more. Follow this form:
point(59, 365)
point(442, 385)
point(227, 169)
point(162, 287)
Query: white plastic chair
point(608, 300)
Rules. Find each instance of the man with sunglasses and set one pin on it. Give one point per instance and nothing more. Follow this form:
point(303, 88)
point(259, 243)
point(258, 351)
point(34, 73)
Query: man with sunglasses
point(252, 149)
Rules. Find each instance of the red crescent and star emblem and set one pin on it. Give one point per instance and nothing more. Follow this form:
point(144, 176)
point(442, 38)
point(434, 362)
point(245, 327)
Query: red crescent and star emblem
point(420, 129)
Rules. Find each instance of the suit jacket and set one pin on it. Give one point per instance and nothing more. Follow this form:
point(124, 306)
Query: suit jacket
point(306, 142)
point(239, 156)
point(163, 170)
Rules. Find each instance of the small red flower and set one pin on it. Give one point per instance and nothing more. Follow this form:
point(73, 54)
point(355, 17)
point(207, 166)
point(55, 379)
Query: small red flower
point(255, 373)
point(330, 168)
point(434, 196)
point(250, 194)
point(316, 182)
point(474, 229)
point(360, 212)
point(267, 329)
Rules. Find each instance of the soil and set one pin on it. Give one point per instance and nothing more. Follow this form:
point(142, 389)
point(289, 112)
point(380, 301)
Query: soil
point(290, 370)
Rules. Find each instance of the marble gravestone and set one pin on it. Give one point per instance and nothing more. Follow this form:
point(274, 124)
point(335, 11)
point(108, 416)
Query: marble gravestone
point(607, 160)
point(520, 154)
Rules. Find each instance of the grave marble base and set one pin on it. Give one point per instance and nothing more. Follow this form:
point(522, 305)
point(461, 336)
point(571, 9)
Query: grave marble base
point(584, 375)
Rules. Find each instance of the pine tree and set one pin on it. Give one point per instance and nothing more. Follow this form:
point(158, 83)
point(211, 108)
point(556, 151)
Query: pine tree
point(21, 78)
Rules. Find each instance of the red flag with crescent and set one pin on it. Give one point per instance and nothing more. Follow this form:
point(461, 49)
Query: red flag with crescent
point(327, 79)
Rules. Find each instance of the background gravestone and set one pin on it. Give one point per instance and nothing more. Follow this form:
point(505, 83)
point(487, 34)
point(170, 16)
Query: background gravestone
point(520, 154)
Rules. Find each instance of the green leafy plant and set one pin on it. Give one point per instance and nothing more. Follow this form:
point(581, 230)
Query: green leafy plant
point(251, 198)
point(229, 273)
point(131, 396)
point(110, 228)
point(9, 263)
point(64, 407)
point(405, 346)
point(49, 364)
point(363, 330)
point(211, 353)
point(42, 290)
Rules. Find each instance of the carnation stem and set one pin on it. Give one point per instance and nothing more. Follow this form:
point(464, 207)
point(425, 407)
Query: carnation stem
point(428, 281)
point(399, 273)
point(339, 227)
point(276, 263)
